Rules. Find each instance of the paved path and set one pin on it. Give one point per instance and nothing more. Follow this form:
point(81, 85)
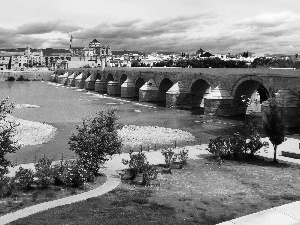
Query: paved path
point(113, 180)
point(111, 183)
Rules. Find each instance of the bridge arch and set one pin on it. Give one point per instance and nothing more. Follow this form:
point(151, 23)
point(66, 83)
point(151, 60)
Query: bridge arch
point(98, 75)
point(251, 87)
point(208, 81)
point(88, 73)
point(123, 78)
point(139, 82)
point(245, 79)
point(198, 90)
point(164, 86)
point(109, 77)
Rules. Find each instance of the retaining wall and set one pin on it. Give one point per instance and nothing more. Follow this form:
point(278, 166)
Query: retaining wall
point(31, 75)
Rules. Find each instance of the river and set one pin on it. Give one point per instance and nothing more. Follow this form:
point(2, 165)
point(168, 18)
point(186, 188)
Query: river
point(65, 107)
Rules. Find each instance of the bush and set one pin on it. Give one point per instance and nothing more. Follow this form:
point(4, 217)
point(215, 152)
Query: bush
point(182, 156)
point(218, 146)
point(7, 131)
point(57, 172)
point(23, 178)
point(170, 156)
point(235, 147)
point(44, 172)
point(7, 186)
point(21, 78)
point(227, 147)
point(149, 173)
point(10, 78)
point(255, 144)
point(136, 163)
point(96, 139)
point(74, 175)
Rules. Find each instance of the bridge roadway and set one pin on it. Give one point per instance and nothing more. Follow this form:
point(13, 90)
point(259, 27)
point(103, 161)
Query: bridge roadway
point(217, 90)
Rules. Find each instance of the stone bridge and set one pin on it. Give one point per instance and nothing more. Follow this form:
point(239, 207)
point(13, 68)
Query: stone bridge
point(217, 90)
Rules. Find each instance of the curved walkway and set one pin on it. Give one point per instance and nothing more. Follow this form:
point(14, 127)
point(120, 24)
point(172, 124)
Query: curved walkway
point(111, 183)
point(110, 170)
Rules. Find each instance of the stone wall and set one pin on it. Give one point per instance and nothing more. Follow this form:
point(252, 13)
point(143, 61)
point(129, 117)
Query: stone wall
point(31, 75)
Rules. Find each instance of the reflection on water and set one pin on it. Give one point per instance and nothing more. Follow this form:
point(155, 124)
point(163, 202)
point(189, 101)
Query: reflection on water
point(65, 107)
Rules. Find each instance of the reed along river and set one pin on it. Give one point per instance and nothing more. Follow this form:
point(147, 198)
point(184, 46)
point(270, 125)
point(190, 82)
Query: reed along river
point(64, 107)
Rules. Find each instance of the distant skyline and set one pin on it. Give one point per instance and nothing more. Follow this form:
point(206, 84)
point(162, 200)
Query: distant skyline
point(218, 26)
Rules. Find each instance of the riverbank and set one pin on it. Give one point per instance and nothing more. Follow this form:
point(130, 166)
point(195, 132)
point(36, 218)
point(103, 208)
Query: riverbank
point(31, 133)
point(31, 75)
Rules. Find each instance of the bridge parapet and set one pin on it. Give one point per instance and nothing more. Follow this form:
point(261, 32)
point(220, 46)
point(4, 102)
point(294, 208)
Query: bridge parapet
point(218, 90)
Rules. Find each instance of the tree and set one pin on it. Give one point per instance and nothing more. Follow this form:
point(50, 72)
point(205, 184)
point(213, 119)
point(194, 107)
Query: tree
point(274, 126)
point(7, 131)
point(96, 139)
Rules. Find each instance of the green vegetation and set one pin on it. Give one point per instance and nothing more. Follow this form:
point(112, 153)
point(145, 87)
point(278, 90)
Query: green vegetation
point(203, 192)
point(96, 140)
point(7, 131)
point(140, 167)
point(21, 78)
point(10, 78)
point(275, 63)
point(22, 192)
point(274, 126)
point(219, 63)
point(236, 147)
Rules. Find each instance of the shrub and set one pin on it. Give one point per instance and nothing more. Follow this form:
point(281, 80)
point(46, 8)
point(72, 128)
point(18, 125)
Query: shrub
point(24, 178)
point(182, 156)
point(7, 131)
point(255, 144)
point(149, 173)
point(136, 163)
point(88, 174)
point(235, 147)
point(170, 156)
point(74, 175)
point(218, 146)
point(96, 139)
point(227, 148)
point(57, 172)
point(44, 172)
point(21, 78)
point(10, 78)
point(7, 186)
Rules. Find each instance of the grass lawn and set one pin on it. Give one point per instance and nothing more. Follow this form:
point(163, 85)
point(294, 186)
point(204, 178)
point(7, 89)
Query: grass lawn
point(201, 193)
point(21, 199)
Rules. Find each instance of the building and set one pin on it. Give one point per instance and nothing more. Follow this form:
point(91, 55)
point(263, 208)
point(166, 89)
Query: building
point(5, 62)
point(89, 56)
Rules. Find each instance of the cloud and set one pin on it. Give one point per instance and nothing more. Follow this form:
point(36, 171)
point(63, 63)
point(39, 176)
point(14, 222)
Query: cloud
point(270, 19)
point(265, 33)
point(46, 27)
point(126, 23)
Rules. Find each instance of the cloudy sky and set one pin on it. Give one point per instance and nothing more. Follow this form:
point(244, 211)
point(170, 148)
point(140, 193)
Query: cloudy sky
point(218, 26)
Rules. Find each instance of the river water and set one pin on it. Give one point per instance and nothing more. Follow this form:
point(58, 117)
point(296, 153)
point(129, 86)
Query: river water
point(65, 107)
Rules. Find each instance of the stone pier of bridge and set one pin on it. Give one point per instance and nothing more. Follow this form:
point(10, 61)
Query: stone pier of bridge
point(218, 91)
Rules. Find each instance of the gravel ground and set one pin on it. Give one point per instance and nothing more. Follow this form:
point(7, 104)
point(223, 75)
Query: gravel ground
point(32, 133)
point(136, 135)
